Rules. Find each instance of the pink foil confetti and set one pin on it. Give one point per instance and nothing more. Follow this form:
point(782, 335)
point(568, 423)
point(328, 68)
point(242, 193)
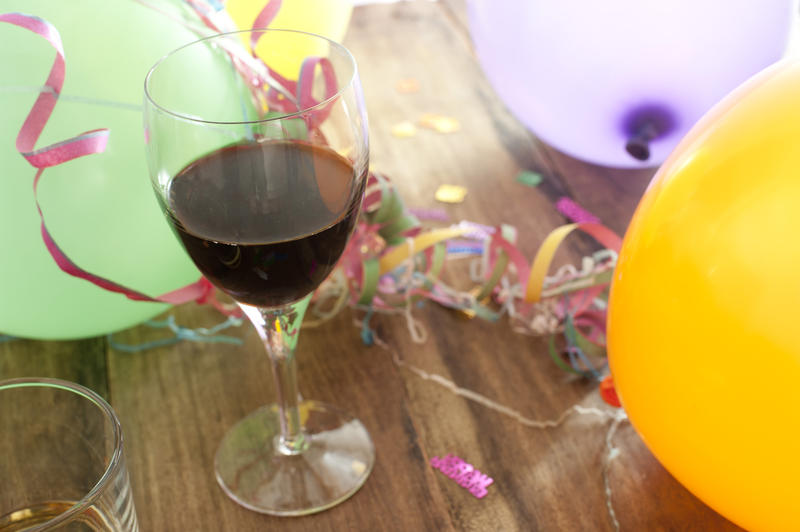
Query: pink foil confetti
point(575, 212)
point(438, 215)
point(463, 473)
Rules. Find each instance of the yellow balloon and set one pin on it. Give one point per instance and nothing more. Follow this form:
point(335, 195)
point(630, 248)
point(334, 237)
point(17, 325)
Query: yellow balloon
point(328, 18)
point(704, 336)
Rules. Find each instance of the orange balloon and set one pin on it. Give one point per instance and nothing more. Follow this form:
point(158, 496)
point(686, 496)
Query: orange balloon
point(704, 329)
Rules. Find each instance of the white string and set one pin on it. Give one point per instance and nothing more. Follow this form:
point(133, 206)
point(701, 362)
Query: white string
point(415, 328)
point(617, 417)
point(476, 270)
point(611, 453)
point(493, 405)
point(334, 288)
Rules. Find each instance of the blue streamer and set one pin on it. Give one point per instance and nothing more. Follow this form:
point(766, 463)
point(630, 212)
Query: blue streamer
point(367, 334)
point(201, 334)
point(576, 354)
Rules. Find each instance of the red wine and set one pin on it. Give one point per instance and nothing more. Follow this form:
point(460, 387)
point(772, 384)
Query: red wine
point(266, 221)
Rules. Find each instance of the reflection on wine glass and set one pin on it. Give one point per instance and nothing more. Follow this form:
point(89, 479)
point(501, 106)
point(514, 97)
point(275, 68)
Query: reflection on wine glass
point(261, 176)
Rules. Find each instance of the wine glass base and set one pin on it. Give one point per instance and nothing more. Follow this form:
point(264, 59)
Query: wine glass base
point(254, 472)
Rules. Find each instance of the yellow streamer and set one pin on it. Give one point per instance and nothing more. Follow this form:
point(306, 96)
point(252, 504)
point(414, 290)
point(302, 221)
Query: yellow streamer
point(397, 255)
point(541, 263)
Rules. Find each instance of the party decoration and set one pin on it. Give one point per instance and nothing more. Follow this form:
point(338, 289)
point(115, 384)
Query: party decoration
point(81, 145)
point(439, 123)
point(404, 129)
point(529, 178)
point(83, 254)
point(98, 208)
point(464, 474)
point(394, 262)
point(439, 215)
point(450, 193)
point(617, 417)
point(620, 82)
point(328, 18)
point(702, 333)
point(608, 392)
point(180, 334)
point(573, 211)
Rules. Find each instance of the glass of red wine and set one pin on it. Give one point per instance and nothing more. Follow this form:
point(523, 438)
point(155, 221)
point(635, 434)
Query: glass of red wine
point(260, 170)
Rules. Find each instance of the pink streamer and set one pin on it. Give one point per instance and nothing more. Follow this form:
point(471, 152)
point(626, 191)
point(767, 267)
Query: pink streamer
point(43, 107)
point(95, 141)
point(575, 212)
point(301, 88)
point(86, 143)
point(514, 255)
point(305, 85)
point(275, 98)
point(438, 215)
point(263, 20)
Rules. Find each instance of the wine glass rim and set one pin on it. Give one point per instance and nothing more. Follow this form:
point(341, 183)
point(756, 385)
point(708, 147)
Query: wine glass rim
point(283, 116)
point(114, 464)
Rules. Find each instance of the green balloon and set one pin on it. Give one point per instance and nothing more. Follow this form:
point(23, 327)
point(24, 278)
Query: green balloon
point(100, 208)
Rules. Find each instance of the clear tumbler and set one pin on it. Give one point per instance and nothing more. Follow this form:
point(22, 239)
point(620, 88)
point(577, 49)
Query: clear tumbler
point(61, 461)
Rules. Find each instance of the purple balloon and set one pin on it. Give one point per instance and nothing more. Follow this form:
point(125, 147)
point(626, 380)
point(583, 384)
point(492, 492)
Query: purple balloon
point(619, 82)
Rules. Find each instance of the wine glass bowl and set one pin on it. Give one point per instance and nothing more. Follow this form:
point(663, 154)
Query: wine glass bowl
point(261, 173)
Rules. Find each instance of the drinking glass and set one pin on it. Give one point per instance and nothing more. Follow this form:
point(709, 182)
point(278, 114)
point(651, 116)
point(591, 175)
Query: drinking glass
point(260, 169)
point(61, 462)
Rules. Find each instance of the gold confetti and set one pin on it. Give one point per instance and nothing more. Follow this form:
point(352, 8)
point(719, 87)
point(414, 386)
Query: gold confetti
point(407, 85)
point(467, 313)
point(440, 123)
point(450, 193)
point(404, 129)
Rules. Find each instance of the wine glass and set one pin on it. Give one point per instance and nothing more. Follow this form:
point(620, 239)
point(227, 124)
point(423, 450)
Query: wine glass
point(259, 162)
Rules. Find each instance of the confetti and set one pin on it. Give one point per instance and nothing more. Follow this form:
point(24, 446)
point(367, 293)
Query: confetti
point(466, 247)
point(575, 212)
point(617, 417)
point(439, 123)
point(608, 392)
point(464, 474)
point(529, 178)
point(450, 194)
point(404, 130)
point(476, 231)
point(439, 215)
point(408, 85)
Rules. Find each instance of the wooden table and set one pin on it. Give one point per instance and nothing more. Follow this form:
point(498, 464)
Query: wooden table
point(175, 403)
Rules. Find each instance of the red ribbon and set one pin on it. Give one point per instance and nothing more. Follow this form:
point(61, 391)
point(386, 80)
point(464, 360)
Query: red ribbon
point(95, 141)
point(264, 19)
point(305, 84)
point(86, 143)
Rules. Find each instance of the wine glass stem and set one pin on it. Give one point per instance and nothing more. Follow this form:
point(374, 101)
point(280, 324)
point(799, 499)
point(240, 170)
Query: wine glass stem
point(278, 328)
point(284, 370)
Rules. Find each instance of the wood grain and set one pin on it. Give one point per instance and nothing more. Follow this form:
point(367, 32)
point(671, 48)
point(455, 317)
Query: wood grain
point(176, 402)
point(81, 361)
